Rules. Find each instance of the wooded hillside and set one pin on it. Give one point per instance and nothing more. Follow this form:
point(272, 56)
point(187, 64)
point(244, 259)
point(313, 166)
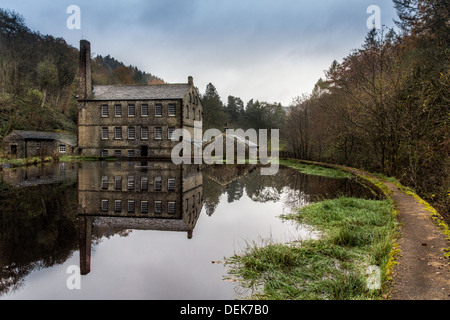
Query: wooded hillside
point(38, 78)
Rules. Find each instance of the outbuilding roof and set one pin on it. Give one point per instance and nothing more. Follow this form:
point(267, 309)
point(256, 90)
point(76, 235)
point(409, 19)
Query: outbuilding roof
point(40, 135)
point(139, 92)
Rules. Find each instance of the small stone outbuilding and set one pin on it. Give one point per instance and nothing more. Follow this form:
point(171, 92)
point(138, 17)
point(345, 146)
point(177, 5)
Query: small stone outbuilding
point(24, 144)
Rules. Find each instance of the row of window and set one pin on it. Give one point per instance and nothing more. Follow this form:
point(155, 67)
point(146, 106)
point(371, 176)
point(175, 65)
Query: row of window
point(171, 110)
point(62, 147)
point(131, 208)
point(131, 183)
point(193, 98)
point(144, 206)
point(131, 133)
point(117, 153)
point(132, 112)
point(196, 115)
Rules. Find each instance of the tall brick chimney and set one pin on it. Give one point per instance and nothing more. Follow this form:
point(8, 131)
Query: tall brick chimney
point(190, 81)
point(85, 70)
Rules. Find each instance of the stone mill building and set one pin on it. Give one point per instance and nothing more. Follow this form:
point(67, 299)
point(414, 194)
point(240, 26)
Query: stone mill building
point(132, 120)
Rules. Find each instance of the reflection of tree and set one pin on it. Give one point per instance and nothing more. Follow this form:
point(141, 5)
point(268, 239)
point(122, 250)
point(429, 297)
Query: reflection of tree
point(296, 188)
point(37, 230)
point(211, 194)
point(221, 179)
point(263, 188)
point(235, 191)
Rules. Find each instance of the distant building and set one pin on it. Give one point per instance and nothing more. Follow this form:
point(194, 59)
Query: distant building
point(243, 148)
point(23, 144)
point(132, 120)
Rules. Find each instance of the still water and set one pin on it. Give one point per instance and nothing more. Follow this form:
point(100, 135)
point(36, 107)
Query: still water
point(143, 230)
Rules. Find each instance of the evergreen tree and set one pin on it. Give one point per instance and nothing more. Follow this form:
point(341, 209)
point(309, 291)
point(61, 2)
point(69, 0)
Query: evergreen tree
point(214, 114)
point(235, 109)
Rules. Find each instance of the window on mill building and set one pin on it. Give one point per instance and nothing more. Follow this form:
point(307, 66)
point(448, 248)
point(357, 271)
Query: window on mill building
point(118, 133)
point(131, 133)
point(172, 110)
point(131, 110)
point(105, 111)
point(144, 133)
point(105, 135)
point(118, 110)
point(158, 110)
point(144, 110)
point(158, 133)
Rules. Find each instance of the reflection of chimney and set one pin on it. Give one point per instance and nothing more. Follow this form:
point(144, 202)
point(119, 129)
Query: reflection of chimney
point(190, 81)
point(85, 70)
point(85, 226)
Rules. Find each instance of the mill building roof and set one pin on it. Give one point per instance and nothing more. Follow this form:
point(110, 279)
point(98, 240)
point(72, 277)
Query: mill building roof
point(139, 92)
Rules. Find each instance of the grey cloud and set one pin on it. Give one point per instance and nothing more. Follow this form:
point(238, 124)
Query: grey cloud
point(227, 41)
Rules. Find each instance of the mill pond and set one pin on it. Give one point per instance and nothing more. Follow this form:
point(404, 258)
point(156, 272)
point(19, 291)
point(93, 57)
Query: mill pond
point(144, 230)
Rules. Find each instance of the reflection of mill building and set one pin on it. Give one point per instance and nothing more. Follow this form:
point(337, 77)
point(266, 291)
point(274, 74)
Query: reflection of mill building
point(134, 195)
point(132, 120)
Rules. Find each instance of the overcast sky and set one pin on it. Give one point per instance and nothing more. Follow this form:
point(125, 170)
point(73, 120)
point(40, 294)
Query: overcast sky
point(253, 49)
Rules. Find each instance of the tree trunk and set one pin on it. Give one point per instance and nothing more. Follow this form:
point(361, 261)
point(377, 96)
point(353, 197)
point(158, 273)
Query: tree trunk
point(44, 96)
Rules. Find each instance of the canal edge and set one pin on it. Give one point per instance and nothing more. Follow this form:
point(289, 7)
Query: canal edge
point(402, 281)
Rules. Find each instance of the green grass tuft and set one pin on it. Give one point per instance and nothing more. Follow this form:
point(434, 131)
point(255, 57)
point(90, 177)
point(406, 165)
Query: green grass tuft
point(357, 233)
point(315, 170)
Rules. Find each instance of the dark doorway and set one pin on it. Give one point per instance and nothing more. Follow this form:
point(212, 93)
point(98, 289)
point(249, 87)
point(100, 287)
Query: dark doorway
point(14, 150)
point(144, 151)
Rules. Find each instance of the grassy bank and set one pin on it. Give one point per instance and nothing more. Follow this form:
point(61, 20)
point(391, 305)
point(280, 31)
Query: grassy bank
point(357, 233)
point(312, 169)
